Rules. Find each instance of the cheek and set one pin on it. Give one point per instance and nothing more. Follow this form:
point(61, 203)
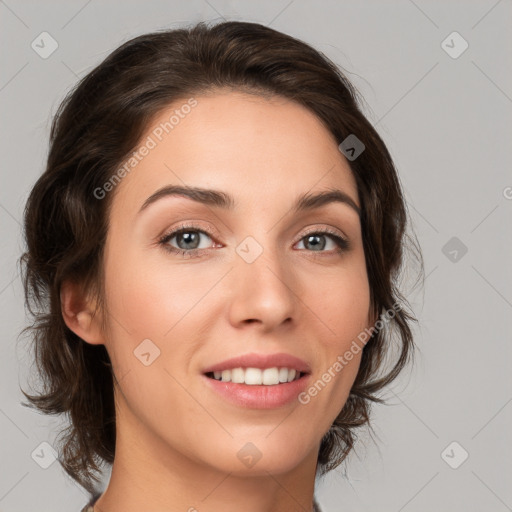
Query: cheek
point(342, 303)
point(149, 299)
point(146, 303)
point(157, 302)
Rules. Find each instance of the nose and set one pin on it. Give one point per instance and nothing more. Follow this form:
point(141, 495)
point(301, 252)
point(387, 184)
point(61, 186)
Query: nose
point(263, 292)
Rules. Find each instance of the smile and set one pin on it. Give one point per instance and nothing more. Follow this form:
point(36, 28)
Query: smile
point(258, 395)
point(256, 376)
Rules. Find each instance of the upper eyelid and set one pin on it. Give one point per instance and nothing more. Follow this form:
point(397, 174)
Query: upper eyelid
point(190, 227)
point(323, 230)
point(213, 233)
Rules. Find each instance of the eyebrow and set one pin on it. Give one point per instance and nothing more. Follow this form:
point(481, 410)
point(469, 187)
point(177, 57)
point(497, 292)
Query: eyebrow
point(217, 198)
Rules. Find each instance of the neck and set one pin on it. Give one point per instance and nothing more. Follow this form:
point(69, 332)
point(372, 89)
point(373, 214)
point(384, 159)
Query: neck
point(148, 474)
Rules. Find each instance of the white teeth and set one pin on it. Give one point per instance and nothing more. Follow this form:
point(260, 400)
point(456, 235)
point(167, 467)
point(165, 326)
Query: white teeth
point(237, 375)
point(253, 376)
point(291, 375)
point(256, 376)
point(270, 376)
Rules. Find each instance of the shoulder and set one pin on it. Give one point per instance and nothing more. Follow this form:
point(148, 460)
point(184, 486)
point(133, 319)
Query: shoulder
point(89, 506)
point(92, 501)
point(316, 506)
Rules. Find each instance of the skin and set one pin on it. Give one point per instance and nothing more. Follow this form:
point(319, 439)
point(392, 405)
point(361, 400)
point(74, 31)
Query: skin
point(177, 441)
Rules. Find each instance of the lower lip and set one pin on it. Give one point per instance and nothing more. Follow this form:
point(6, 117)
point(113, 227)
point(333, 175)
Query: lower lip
point(259, 396)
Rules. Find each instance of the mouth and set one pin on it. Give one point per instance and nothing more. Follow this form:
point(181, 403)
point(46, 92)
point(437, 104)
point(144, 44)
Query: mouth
point(255, 388)
point(256, 376)
point(259, 381)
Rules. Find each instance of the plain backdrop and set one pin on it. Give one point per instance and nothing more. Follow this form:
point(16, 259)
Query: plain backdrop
point(436, 77)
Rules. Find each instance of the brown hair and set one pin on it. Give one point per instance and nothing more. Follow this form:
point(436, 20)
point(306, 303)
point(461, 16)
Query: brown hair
point(94, 130)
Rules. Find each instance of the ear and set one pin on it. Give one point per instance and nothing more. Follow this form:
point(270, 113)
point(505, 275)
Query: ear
point(79, 314)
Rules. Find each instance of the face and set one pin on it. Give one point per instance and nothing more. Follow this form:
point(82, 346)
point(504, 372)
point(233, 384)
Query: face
point(253, 276)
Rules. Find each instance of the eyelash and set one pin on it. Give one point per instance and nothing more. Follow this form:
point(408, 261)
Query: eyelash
point(342, 243)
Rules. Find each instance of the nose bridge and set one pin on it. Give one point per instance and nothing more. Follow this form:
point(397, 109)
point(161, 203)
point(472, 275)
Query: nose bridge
point(262, 289)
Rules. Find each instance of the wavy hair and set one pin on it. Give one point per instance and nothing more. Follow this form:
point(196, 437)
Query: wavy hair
point(98, 125)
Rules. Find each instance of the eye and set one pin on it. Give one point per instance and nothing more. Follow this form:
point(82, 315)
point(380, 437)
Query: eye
point(188, 239)
point(315, 241)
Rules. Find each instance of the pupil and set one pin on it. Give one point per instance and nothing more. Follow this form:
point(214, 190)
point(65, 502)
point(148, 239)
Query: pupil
point(187, 237)
point(315, 237)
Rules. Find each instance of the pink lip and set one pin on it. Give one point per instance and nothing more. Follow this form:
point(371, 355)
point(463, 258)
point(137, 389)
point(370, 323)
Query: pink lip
point(259, 397)
point(262, 361)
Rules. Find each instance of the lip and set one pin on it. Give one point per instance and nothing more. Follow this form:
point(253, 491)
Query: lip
point(259, 396)
point(262, 361)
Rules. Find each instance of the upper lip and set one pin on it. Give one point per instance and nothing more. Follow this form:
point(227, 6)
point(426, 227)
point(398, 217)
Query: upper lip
point(262, 361)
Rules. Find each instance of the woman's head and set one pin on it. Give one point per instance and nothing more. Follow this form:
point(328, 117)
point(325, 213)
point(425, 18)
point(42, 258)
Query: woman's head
point(231, 134)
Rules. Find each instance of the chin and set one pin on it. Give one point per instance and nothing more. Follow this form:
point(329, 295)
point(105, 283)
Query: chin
point(259, 457)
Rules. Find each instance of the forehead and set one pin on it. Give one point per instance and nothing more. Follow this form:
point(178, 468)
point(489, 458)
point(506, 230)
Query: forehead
point(258, 150)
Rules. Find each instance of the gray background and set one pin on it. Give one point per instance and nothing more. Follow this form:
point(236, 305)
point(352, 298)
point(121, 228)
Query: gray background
point(447, 122)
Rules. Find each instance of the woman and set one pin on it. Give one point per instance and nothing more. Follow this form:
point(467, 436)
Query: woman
point(212, 261)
